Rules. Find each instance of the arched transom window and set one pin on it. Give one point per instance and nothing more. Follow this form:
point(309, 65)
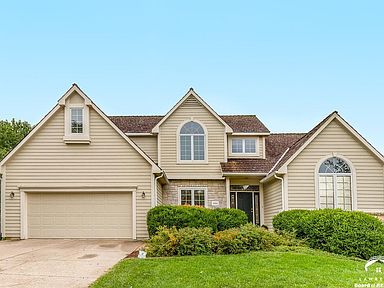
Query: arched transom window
point(192, 142)
point(335, 184)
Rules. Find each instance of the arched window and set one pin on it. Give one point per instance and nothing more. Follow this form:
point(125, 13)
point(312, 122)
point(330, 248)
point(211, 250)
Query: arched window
point(192, 142)
point(335, 184)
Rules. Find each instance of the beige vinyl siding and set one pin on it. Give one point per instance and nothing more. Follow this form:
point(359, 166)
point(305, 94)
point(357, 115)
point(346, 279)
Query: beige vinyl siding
point(336, 139)
point(148, 144)
point(259, 147)
point(159, 193)
point(272, 201)
point(189, 110)
point(46, 160)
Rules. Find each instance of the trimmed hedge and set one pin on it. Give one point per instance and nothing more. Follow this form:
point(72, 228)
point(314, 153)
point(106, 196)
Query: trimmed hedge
point(194, 217)
point(292, 221)
point(349, 233)
point(200, 241)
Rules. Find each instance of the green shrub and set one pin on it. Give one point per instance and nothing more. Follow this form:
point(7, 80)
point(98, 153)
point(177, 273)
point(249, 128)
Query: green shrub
point(349, 233)
point(227, 218)
point(164, 243)
point(194, 217)
point(228, 242)
point(200, 241)
point(194, 241)
point(292, 221)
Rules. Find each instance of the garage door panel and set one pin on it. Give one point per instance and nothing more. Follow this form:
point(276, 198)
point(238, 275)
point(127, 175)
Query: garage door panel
point(79, 215)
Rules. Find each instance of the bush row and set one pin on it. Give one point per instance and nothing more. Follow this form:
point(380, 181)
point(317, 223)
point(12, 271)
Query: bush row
point(194, 217)
point(349, 233)
point(201, 241)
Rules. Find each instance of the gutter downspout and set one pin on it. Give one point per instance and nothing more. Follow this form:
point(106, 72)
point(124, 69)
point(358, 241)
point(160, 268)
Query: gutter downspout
point(282, 191)
point(154, 202)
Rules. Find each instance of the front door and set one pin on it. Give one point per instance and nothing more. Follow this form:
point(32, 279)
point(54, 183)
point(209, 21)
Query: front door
point(249, 202)
point(244, 202)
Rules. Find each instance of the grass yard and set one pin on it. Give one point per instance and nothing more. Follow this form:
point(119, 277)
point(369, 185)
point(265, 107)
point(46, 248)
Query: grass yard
point(300, 268)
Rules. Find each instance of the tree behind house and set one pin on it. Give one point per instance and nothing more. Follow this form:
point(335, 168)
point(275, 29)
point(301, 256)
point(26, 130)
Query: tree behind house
point(11, 133)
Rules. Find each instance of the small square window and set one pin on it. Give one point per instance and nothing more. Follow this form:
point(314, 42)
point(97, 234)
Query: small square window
point(237, 146)
point(250, 146)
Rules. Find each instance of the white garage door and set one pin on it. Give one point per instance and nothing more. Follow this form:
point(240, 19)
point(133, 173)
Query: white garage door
point(79, 215)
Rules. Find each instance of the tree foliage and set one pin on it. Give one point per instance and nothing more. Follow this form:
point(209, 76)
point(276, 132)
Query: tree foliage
point(11, 133)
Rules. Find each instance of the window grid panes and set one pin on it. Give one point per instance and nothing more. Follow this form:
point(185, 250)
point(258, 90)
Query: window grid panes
point(326, 192)
point(192, 196)
point(244, 146)
point(335, 187)
point(198, 147)
point(199, 198)
point(250, 145)
point(186, 197)
point(237, 146)
point(76, 120)
point(192, 142)
point(185, 148)
point(344, 199)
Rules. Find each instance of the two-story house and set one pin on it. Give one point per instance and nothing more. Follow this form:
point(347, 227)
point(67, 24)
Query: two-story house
point(83, 174)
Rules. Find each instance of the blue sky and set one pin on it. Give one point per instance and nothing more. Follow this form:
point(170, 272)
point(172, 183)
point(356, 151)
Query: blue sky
point(289, 62)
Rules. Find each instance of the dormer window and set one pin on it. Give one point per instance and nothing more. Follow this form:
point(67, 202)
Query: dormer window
point(244, 146)
point(77, 120)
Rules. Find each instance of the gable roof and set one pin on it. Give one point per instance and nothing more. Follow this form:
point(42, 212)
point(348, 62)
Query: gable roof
point(191, 92)
point(275, 146)
point(304, 141)
point(145, 124)
point(88, 101)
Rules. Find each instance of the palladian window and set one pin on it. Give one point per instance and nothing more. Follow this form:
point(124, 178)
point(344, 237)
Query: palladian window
point(192, 142)
point(335, 184)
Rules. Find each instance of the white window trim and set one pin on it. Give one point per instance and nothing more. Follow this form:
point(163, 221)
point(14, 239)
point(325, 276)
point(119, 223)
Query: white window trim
point(179, 161)
point(193, 198)
point(243, 154)
point(334, 181)
point(70, 137)
point(352, 174)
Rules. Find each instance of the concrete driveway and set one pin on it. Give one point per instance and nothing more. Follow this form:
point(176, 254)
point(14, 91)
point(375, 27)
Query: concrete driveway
point(59, 263)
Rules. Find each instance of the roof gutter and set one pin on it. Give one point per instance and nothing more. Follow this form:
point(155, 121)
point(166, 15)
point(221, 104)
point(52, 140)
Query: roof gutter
point(154, 200)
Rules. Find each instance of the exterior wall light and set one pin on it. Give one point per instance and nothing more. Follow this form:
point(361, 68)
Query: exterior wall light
point(11, 195)
point(143, 195)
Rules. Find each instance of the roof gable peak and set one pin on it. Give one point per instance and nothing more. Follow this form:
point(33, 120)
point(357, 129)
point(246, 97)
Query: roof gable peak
point(74, 88)
point(191, 92)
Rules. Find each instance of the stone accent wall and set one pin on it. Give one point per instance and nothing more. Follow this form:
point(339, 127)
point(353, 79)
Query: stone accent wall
point(215, 191)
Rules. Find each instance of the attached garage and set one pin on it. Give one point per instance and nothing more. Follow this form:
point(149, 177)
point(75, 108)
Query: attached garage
point(79, 215)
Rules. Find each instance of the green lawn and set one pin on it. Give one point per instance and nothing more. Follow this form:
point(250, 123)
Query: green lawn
point(300, 268)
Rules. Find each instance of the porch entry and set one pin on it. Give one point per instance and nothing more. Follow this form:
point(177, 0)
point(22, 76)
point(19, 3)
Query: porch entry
point(246, 198)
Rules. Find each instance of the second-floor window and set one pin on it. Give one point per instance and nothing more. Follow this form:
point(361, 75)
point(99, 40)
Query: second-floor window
point(77, 120)
point(244, 146)
point(192, 142)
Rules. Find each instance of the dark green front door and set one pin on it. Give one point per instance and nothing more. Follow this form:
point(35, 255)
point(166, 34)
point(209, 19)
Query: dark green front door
point(244, 202)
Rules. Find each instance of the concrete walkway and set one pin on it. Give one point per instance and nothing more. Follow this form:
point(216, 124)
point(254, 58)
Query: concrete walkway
point(59, 263)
